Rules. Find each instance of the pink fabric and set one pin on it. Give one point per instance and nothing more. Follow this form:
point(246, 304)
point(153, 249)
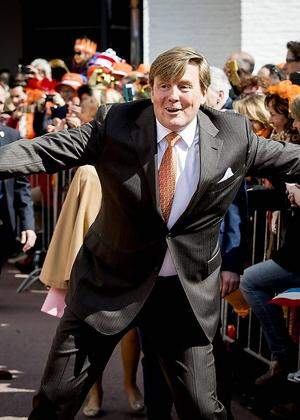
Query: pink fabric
point(55, 302)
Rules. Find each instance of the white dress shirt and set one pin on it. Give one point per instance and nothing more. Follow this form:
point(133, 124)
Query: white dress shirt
point(187, 177)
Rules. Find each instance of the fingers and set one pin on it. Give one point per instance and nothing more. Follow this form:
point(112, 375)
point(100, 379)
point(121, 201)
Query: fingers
point(224, 289)
point(23, 237)
point(230, 282)
point(28, 238)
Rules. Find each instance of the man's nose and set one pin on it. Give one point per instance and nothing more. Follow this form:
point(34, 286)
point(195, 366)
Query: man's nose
point(174, 94)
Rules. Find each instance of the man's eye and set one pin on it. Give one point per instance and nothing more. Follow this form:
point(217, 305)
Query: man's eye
point(185, 87)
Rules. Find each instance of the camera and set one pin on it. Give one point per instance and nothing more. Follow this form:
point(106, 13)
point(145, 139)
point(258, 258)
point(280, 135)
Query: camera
point(128, 92)
point(49, 97)
point(59, 112)
point(25, 69)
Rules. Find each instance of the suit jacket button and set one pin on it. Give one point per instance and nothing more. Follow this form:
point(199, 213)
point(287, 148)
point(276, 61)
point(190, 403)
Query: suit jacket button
point(169, 235)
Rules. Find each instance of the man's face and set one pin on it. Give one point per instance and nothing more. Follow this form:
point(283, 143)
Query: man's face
point(291, 64)
point(176, 103)
point(214, 99)
point(40, 72)
point(67, 92)
point(18, 96)
point(80, 57)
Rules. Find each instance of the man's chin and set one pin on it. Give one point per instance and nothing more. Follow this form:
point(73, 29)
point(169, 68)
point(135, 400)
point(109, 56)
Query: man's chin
point(176, 124)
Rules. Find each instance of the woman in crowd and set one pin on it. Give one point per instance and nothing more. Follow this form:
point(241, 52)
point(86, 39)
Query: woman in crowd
point(277, 103)
point(253, 107)
point(295, 112)
point(261, 281)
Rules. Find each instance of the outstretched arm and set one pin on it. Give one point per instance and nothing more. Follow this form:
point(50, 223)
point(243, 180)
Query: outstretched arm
point(52, 152)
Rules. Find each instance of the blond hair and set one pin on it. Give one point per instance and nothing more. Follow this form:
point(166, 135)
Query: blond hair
point(253, 107)
point(295, 108)
point(171, 65)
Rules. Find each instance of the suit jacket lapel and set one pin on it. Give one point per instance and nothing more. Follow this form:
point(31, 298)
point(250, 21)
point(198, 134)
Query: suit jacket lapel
point(145, 142)
point(210, 151)
point(210, 148)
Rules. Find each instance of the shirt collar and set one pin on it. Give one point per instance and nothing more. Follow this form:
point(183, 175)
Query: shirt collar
point(187, 134)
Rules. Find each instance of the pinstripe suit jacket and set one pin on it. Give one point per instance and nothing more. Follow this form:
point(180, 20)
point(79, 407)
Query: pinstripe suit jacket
point(123, 251)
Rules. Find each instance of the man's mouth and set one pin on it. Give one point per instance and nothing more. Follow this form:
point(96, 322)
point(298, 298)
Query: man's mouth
point(173, 110)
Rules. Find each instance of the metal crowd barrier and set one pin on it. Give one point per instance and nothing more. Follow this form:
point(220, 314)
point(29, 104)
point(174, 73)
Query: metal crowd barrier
point(246, 330)
point(49, 192)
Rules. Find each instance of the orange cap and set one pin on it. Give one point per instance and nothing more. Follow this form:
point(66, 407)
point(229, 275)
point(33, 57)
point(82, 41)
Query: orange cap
point(74, 80)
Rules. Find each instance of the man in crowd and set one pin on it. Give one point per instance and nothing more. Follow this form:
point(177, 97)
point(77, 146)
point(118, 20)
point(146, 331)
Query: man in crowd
point(15, 202)
point(292, 61)
point(169, 170)
point(245, 63)
point(22, 116)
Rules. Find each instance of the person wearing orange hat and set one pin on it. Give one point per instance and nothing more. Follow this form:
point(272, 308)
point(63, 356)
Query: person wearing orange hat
point(277, 101)
point(69, 84)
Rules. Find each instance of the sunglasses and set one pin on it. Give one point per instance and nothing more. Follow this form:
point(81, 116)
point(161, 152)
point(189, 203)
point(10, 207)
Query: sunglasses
point(292, 60)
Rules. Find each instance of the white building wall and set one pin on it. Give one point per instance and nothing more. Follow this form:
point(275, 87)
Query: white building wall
point(267, 26)
point(210, 26)
point(218, 27)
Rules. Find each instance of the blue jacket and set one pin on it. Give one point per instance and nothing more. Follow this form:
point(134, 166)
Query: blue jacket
point(15, 192)
point(233, 233)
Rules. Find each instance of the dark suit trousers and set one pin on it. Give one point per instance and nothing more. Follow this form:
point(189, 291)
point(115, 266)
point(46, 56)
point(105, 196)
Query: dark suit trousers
point(79, 355)
point(157, 393)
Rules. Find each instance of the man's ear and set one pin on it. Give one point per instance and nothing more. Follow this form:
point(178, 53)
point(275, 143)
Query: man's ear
point(204, 97)
point(221, 95)
point(151, 93)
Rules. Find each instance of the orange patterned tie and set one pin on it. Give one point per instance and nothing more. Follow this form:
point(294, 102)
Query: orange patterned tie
point(167, 176)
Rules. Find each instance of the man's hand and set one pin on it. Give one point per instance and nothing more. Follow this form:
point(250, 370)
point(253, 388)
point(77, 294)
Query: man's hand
point(58, 99)
point(73, 122)
point(57, 125)
point(28, 238)
point(230, 282)
point(293, 191)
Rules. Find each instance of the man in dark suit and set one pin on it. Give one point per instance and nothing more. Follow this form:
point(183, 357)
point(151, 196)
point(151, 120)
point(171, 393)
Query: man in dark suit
point(157, 393)
point(169, 169)
point(15, 203)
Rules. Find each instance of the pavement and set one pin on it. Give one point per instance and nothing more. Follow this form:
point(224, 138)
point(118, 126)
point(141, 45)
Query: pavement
point(25, 337)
